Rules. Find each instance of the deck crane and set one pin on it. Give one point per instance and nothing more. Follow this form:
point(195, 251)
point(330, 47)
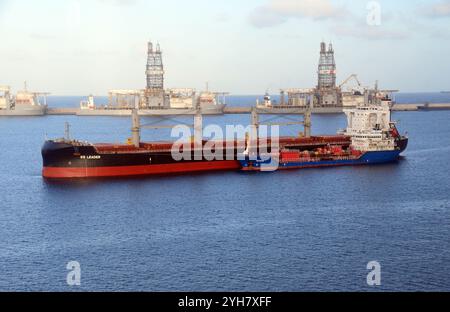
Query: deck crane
point(353, 76)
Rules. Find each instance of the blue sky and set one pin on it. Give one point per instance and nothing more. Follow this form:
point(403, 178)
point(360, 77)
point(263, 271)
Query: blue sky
point(77, 47)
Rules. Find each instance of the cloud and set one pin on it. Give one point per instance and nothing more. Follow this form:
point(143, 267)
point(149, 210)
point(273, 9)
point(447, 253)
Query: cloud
point(440, 9)
point(423, 27)
point(317, 9)
point(344, 23)
point(277, 12)
point(369, 32)
point(264, 17)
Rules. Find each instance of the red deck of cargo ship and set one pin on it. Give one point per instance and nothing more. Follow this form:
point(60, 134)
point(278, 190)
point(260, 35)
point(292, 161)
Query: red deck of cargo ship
point(339, 140)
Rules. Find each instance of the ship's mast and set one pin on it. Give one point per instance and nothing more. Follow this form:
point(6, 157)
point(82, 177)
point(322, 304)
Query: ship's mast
point(67, 131)
point(308, 117)
point(198, 132)
point(136, 129)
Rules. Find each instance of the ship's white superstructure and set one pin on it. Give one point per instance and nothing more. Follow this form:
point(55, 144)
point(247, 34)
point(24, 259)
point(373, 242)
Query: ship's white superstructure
point(25, 103)
point(370, 126)
point(267, 101)
point(182, 98)
point(207, 99)
point(89, 104)
point(5, 97)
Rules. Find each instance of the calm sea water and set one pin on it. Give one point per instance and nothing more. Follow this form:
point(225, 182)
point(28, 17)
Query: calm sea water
point(307, 230)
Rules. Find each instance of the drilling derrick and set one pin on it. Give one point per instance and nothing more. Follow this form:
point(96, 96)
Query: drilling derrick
point(327, 92)
point(155, 68)
point(327, 67)
point(154, 92)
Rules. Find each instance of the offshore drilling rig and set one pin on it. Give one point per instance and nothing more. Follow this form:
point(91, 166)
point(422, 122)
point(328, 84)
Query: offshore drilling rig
point(326, 95)
point(154, 97)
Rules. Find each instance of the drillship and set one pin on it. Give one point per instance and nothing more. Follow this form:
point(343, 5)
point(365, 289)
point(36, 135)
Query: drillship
point(373, 139)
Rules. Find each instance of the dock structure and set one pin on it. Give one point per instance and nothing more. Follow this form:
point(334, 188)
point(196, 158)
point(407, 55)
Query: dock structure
point(235, 110)
point(421, 107)
point(63, 111)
